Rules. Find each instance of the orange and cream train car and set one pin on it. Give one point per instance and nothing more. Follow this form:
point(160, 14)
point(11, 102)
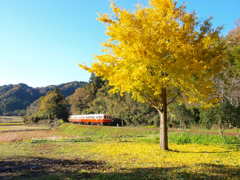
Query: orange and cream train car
point(97, 119)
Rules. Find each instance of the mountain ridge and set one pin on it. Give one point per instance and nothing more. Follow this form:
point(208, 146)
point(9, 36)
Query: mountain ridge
point(15, 98)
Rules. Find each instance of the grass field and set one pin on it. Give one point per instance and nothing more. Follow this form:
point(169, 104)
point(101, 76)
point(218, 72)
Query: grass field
point(115, 153)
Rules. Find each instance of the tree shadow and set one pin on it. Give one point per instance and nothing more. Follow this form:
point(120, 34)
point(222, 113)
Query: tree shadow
point(34, 167)
point(22, 168)
point(213, 172)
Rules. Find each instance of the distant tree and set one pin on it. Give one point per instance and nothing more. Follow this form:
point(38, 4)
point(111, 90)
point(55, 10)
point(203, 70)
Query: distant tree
point(181, 116)
point(54, 106)
point(96, 81)
point(228, 81)
point(160, 54)
point(233, 37)
point(80, 100)
point(225, 115)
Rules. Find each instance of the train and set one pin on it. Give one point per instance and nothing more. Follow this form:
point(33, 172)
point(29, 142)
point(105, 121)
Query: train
point(96, 119)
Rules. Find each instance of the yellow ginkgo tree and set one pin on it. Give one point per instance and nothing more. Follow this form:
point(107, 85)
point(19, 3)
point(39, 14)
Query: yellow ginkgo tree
point(160, 54)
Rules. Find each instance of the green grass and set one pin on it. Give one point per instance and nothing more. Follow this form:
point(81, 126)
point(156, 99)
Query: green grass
point(82, 160)
point(124, 134)
point(119, 153)
point(187, 138)
point(105, 132)
point(212, 130)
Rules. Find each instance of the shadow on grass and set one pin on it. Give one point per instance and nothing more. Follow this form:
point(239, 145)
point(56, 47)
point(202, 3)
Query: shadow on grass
point(46, 168)
point(57, 169)
point(210, 172)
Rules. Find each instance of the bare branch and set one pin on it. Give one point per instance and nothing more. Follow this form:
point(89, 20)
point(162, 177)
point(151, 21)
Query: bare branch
point(173, 99)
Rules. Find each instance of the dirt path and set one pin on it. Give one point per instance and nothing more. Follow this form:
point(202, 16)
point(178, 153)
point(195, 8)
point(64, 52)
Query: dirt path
point(24, 135)
point(12, 132)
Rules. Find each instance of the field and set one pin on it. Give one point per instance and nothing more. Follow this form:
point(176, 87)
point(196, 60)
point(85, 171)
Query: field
point(115, 153)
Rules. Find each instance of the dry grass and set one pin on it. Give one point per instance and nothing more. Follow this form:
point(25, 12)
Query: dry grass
point(25, 135)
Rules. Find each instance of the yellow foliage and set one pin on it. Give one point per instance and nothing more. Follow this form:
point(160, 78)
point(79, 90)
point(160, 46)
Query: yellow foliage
point(191, 156)
point(160, 47)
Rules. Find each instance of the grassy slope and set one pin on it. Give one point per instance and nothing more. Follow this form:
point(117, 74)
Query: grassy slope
point(88, 152)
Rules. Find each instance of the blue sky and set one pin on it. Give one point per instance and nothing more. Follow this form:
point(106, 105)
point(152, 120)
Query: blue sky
point(43, 41)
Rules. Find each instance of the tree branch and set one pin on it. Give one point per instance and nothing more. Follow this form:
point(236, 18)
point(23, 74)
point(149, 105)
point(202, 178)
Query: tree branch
point(173, 99)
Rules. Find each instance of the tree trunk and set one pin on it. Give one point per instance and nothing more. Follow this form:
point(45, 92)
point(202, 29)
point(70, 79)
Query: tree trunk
point(221, 128)
point(163, 122)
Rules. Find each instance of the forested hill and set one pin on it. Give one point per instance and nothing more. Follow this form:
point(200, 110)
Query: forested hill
point(14, 99)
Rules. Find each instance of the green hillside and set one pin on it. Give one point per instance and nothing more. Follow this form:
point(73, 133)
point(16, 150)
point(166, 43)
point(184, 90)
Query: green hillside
point(14, 99)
